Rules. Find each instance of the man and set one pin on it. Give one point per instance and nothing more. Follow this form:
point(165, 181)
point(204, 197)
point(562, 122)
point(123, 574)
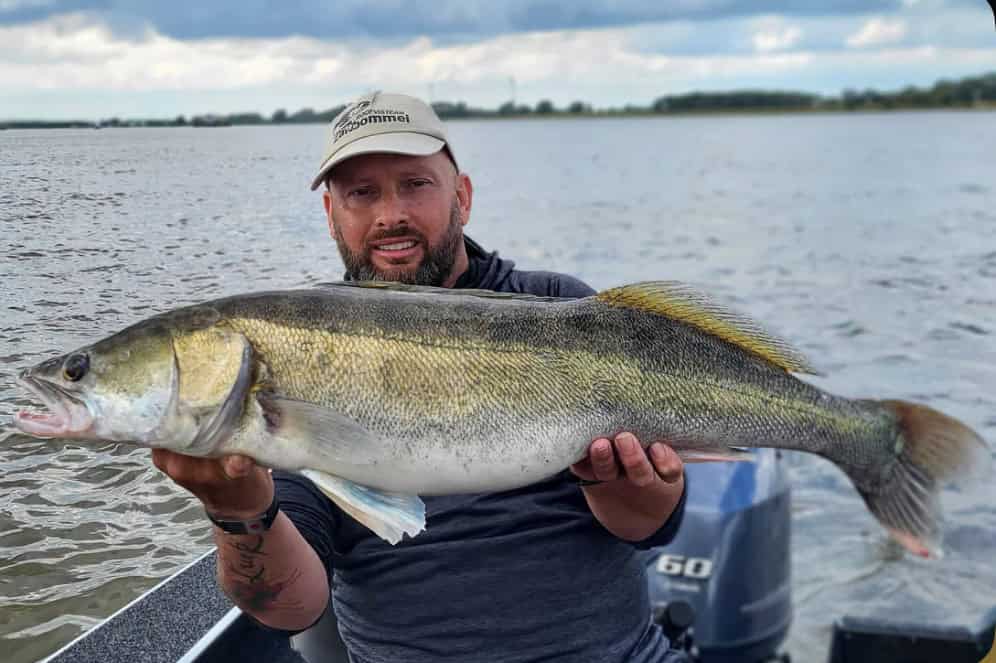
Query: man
point(549, 572)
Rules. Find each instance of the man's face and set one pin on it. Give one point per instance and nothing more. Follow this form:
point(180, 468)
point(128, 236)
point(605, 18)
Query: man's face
point(400, 218)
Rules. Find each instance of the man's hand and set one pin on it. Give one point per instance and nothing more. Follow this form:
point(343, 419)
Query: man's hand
point(623, 457)
point(640, 489)
point(231, 486)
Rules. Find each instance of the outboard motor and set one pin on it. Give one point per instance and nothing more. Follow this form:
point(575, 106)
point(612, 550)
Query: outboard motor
point(721, 589)
point(727, 573)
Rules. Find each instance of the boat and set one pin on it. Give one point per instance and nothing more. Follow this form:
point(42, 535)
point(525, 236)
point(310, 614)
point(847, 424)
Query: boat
point(721, 590)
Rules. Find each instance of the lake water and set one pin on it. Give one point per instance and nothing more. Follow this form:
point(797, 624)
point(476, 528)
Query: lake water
point(868, 240)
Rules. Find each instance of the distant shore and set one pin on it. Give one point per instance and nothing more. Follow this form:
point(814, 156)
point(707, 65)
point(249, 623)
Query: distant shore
point(976, 93)
point(134, 124)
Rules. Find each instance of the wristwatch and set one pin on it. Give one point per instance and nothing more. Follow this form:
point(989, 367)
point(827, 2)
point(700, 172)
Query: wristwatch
point(256, 525)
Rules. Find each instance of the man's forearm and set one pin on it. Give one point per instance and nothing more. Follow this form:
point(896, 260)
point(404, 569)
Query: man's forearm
point(276, 576)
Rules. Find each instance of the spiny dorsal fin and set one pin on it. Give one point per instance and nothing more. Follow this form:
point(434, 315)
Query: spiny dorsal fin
point(468, 292)
point(681, 302)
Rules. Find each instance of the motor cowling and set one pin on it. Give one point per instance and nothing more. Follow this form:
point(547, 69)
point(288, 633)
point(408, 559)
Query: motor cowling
point(730, 560)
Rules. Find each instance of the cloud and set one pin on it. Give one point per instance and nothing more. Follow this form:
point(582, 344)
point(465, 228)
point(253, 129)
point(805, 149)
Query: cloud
point(83, 66)
point(398, 19)
point(78, 52)
point(876, 32)
point(774, 34)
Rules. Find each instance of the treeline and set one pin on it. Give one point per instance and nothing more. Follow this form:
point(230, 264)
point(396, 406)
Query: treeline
point(967, 92)
point(734, 101)
point(978, 91)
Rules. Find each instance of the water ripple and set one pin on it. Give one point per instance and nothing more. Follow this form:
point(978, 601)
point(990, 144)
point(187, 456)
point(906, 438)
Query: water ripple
point(883, 274)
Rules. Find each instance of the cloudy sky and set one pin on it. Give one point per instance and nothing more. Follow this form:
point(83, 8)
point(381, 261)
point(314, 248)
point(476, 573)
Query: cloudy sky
point(91, 59)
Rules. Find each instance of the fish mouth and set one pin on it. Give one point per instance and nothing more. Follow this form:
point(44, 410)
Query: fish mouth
point(67, 416)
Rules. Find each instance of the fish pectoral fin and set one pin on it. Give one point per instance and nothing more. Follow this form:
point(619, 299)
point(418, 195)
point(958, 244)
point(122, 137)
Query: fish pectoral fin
point(681, 302)
point(337, 439)
point(388, 515)
point(327, 432)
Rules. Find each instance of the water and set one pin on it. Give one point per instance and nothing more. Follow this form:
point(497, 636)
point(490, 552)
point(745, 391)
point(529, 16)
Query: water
point(869, 240)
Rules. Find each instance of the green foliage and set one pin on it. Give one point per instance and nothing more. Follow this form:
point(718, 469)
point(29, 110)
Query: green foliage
point(966, 92)
point(545, 107)
point(738, 100)
point(446, 109)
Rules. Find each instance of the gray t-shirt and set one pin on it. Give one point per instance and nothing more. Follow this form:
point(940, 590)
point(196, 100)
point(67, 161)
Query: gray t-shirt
point(522, 575)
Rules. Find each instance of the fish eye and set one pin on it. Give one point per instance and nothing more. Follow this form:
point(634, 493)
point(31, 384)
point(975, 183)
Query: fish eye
point(76, 367)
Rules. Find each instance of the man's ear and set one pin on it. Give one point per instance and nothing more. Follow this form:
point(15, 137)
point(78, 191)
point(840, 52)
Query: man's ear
point(465, 196)
point(327, 201)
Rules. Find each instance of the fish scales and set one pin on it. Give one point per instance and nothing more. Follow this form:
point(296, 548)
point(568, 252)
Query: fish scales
point(486, 366)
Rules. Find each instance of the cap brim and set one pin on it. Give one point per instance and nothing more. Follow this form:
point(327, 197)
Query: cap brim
point(401, 142)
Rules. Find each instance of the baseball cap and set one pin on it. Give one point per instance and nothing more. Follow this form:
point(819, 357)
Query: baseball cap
point(382, 122)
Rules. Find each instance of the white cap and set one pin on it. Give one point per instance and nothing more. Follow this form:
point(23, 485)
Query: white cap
point(383, 122)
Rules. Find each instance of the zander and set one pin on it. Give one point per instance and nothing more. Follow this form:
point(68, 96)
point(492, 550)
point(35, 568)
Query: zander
point(381, 392)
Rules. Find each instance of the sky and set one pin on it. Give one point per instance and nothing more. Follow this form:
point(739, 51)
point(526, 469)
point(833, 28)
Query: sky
point(95, 59)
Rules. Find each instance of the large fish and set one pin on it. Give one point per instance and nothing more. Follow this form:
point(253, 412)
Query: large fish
point(380, 393)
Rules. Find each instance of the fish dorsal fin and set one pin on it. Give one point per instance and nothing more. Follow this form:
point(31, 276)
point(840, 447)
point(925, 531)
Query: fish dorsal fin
point(681, 302)
point(428, 289)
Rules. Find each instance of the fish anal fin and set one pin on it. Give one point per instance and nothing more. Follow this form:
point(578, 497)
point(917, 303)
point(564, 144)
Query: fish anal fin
point(681, 302)
point(388, 515)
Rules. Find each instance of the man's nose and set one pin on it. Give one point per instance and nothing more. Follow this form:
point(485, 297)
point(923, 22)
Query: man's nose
point(391, 211)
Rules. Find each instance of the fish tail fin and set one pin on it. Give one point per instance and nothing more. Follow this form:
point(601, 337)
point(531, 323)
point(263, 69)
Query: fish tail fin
point(932, 449)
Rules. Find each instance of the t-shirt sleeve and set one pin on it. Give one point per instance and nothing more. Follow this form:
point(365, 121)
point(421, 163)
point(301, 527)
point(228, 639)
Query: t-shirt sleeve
point(568, 286)
point(547, 284)
point(311, 512)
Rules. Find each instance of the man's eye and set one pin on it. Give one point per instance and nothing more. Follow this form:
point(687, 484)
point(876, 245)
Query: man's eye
point(361, 192)
point(418, 183)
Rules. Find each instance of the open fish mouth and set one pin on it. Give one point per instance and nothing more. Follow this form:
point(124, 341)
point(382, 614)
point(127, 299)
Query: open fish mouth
point(67, 416)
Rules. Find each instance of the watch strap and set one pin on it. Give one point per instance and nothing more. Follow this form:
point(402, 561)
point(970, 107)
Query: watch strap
point(255, 525)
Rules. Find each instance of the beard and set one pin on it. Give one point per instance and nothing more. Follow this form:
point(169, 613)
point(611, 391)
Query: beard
point(435, 267)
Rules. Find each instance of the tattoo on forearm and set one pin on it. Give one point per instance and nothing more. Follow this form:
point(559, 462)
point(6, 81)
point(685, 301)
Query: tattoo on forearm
point(251, 587)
